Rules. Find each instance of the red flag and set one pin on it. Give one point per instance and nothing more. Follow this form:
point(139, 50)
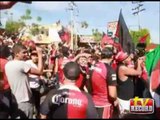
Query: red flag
point(118, 46)
point(65, 37)
point(6, 4)
point(9, 4)
point(117, 30)
point(143, 38)
point(106, 40)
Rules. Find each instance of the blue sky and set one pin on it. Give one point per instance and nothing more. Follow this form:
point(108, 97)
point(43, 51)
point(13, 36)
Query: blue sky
point(97, 14)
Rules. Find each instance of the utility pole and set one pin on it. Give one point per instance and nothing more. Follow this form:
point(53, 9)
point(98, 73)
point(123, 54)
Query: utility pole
point(137, 10)
point(75, 26)
point(71, 8)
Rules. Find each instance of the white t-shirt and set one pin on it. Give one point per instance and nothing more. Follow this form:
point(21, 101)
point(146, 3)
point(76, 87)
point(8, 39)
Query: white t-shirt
point(16, 72)
point(33, 79)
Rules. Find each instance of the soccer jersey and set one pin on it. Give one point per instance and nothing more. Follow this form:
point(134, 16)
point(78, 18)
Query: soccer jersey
point(68, 102)
point(102, 76)
point(4, 85)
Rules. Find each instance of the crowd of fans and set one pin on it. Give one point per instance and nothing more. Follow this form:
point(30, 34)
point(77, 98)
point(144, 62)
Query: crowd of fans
point(95, 82)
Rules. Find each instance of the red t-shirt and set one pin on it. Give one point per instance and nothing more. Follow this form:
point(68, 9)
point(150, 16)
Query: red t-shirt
point(5, 83)
point(79, 81)
point(102, 76)
point(61, 63)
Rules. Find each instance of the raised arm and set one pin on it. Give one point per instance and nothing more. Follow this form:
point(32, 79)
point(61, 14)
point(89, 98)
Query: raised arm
point(39, 70)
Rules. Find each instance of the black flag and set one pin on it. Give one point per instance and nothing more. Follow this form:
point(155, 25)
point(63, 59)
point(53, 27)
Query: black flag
point(123, 35)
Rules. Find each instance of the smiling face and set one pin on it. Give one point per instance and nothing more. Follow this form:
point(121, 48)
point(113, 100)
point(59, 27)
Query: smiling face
point(82, 61)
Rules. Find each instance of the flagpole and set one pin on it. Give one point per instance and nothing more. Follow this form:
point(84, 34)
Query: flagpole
point(71, 24)
point(72, 7)
point(72, 29)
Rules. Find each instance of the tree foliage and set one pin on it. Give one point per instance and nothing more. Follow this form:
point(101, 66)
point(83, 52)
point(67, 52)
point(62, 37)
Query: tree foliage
point(136, 35)
point(97, 35)
point(84, 24)
point(13, 26)
point(27, 15)
point(34, 29)
point(39, 19)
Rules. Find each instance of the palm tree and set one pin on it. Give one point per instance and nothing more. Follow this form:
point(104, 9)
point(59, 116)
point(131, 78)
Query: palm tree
point(96, 34)
point(27, 15)
point(39, 19)
point(84, 24)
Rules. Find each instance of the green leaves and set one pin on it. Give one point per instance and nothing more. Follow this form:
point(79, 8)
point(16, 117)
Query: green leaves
point(136, 35)
point(13, 26)
point(39, 19)
point(84, 24)
point(97, 35)
point(27, 15)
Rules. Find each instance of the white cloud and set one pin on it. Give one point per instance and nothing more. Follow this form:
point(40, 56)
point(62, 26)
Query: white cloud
point(50, 6)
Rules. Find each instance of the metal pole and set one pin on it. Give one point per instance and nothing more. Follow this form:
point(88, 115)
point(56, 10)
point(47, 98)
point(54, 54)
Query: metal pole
point(138, 12)
point(138, 19)
point(71, 29)
point(76, 46)
point(72, 6)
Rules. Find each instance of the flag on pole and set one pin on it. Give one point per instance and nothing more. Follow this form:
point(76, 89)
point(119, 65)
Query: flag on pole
point(122, 33)
point(6, 4)
point(153, 67)
point(143, 38)
point(106, 40)
point(9, 4)
point(64, 35)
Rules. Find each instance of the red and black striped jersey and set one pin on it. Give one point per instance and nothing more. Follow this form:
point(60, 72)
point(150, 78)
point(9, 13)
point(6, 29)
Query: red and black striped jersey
point(68, 102)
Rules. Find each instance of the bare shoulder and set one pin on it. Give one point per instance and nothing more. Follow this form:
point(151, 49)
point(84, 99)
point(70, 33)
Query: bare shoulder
point(122, 67)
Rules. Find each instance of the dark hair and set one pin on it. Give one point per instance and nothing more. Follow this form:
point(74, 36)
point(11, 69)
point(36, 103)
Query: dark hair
point(71, 70)
point(4, 51)
point(107, 52)
point(65, 51)
point(60, 44)
point(17, 48)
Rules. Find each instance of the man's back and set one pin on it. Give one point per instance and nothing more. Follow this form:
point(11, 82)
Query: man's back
point(69, 102)
point(100, 82)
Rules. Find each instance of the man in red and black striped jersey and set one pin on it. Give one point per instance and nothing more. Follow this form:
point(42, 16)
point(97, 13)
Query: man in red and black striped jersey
point(68, 101)
point(102, 85)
